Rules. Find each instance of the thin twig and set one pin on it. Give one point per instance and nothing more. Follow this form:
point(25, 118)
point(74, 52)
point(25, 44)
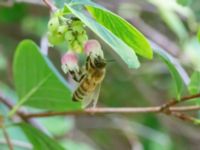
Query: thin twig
point(51, 6)
point(10, 106)
point(7, 138)
point(19, 144)
point(183, 117)
point(21, 114)
point(166, 109)
point(184, 108)
point(174, 101)
point(105, 110)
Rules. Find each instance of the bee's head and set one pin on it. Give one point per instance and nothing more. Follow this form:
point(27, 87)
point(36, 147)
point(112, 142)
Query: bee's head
point(99, 62)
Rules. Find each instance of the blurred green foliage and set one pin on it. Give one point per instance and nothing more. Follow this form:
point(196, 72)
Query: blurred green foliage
point(13, 14)
point(184, 2)
point(34, 25)
point(149, 85)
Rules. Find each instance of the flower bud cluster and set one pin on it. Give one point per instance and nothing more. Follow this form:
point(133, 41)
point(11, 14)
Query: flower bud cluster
point(70, 30)
point(76, 35)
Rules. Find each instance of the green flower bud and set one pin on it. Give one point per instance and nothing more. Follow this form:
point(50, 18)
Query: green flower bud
point(82, 38)
point(54, 38)
point(58, 13)
point(53, 24)
point(66, 10)
point(78, 29)
point(76, 23)
point(61, 30)
point(76, 46)
point(69, 36)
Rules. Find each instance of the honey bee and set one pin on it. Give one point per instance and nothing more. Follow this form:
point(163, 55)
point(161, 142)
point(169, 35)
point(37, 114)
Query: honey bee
point(90, 80)
point(89, 76)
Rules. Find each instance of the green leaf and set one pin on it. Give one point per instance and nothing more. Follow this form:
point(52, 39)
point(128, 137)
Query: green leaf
point(39, 140)
point(37, 82)
point(167, 59)
point(194, 86)
point(123, 30)
point(122, 49)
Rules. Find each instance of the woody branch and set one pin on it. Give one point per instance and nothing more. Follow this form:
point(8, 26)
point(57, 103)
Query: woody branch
point(167, 108)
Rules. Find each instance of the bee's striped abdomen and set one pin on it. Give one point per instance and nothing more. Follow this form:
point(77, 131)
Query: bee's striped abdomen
point(81, 91)
point(85, 87)
point(77, 97)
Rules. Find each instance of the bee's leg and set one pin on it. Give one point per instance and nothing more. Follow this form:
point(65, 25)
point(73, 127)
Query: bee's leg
point(80, 78)
point(77, 75)
point(82, 74)
point(89, 61)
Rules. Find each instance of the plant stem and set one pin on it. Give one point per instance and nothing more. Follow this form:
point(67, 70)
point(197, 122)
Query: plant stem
point(51, 6)
point(174, 102)
point(106, 110)
point(7, 138)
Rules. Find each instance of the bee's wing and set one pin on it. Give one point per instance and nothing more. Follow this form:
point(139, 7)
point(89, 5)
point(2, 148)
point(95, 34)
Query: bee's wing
point(93, 96)
point(96, 95)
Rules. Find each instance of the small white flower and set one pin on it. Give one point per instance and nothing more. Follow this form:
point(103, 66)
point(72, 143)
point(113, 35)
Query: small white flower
point(93, 47)
point(69, 61)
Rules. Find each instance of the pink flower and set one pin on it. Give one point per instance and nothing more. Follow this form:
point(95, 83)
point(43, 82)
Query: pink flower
point(69, 57)
point(69, 61)
point(93, 46)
